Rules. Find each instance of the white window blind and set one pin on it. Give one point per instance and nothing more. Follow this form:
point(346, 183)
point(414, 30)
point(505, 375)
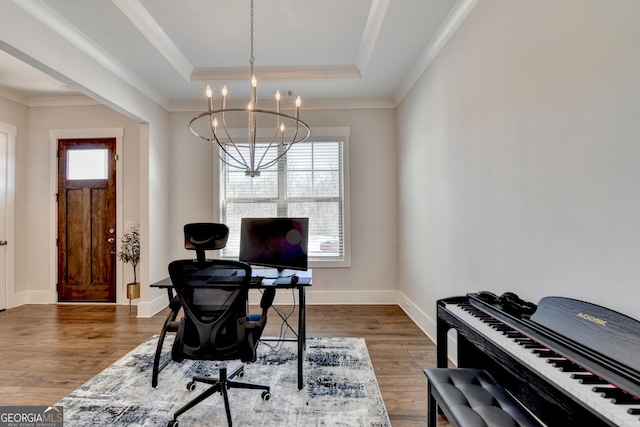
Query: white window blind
point(309, 181)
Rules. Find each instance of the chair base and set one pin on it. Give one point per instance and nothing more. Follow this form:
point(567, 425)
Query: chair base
point(220, 385)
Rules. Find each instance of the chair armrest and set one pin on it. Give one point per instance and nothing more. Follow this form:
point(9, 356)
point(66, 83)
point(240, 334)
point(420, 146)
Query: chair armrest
point(249, 333)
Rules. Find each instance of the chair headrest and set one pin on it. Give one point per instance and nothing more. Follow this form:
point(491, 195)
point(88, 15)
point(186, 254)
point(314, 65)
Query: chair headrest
point(200, 236)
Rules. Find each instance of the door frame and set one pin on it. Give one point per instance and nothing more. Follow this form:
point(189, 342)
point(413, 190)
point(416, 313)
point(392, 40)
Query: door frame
point(98, 133)
point(10, 220)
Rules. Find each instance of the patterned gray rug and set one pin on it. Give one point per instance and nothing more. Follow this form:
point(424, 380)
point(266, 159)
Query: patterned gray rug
point(340, 390)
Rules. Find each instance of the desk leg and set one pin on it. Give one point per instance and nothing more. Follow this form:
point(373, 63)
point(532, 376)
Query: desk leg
point(302, 333)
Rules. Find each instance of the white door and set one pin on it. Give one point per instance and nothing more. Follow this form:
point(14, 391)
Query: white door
point(7, 213)
point(3, 219)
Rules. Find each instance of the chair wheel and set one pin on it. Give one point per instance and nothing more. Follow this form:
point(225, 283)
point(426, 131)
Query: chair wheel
point(191, 385)
point(266, 396)
point(241, 374)
point(173, 423)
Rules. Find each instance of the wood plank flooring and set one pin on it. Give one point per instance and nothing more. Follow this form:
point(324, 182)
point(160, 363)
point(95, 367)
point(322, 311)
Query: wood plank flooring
point(50, 350)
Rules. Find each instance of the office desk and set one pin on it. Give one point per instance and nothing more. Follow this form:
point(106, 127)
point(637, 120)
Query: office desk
point(305, 280)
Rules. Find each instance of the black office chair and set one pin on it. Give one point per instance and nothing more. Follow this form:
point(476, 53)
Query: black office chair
point(216, 326)
point(200, 237)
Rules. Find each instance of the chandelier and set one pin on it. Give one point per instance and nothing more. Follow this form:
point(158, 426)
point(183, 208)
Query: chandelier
point(269, 134)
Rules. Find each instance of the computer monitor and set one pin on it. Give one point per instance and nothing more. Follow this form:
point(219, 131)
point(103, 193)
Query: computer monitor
point(280, 243)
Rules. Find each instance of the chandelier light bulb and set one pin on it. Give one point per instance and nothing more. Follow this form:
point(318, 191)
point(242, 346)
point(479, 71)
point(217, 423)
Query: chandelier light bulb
point(224, 96)
point(209, 93)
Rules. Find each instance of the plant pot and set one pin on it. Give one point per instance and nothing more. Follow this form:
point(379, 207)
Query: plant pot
point(133, 290)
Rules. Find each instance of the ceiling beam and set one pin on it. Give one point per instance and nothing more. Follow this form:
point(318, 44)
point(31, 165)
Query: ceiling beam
point(144, 22)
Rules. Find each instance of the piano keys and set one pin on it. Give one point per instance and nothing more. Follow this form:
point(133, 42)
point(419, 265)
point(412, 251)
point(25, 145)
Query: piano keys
point(571, 363)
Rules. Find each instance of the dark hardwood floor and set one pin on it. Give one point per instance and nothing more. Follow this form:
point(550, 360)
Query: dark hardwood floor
point(50, 350)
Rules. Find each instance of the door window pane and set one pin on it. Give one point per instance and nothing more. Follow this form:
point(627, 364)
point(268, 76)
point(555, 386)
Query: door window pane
point(88, 164)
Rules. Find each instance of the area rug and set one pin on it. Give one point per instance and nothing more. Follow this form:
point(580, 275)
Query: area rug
point(340, 389)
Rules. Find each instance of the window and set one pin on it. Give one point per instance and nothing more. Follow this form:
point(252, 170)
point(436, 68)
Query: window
point(309, 181)
point(88, 164)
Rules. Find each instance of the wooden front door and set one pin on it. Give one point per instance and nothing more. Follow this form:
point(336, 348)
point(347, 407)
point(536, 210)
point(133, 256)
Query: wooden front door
point(86, 220)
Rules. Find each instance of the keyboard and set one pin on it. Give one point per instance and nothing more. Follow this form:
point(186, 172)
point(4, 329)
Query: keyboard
point(255, 280)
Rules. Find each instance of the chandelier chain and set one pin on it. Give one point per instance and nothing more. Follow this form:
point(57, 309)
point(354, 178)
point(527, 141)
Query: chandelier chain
point(251, 58)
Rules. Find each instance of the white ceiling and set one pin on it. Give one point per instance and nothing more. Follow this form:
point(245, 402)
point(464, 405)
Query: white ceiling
point(322, 50)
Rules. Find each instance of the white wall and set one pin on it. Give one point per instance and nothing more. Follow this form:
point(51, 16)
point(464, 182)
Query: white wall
point(155, 176)
point(38, 160)
point(192, 181)
point(372, 277)
point(34, 234)
point(518, 158)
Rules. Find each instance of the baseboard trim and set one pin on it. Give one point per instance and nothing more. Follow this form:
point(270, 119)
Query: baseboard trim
point(419, 317)
point(39, 297)
point(429, 326)
point(18, 299)
point(153, 307)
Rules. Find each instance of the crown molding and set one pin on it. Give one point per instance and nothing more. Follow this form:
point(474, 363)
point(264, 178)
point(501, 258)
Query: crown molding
point(275, 74)
point(309, 104)
point(62, 101)
point(14, 96)
point(195, 106)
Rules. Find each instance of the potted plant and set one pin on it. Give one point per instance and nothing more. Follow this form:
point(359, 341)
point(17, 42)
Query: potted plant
point(129, 253)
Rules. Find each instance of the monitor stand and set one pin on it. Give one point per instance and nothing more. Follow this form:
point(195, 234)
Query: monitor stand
point(272, 273)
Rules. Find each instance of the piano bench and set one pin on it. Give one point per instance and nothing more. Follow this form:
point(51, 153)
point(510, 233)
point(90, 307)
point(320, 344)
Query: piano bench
point(472, 398)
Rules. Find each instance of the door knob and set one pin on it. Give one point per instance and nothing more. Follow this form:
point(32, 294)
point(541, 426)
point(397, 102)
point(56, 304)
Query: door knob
point(3, 243)
point(111, 240)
